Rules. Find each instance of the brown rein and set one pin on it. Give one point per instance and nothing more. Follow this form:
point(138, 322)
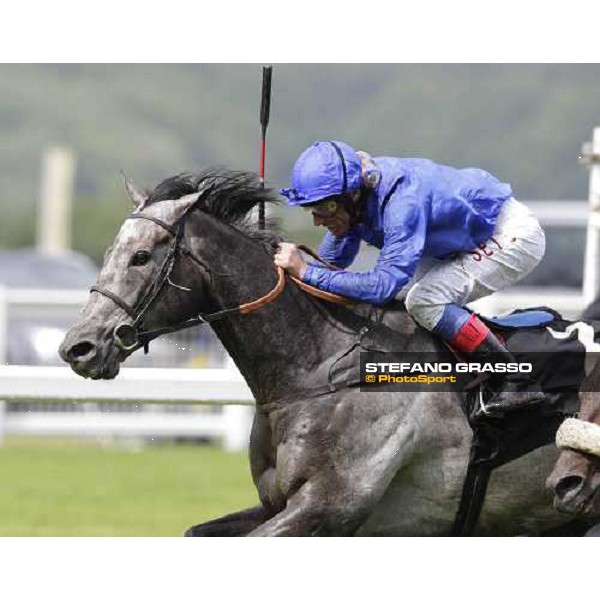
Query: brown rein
point(313, 291)
point(305, 287)
point(244, 309)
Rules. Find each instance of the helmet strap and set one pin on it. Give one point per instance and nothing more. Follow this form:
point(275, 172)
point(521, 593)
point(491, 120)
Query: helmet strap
point(356, 208)
point(344, 169)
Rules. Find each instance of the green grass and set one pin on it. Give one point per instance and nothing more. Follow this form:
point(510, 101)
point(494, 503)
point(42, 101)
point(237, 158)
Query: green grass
point(65, 488)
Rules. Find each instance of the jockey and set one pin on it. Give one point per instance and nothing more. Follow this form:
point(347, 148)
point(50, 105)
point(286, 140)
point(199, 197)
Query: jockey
point(446, 238)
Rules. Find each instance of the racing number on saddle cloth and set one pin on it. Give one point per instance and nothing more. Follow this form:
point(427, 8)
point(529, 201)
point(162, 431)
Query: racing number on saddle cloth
point(585, 335)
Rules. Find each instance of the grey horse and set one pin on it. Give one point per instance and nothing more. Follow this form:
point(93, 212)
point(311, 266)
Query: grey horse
point(325, 459)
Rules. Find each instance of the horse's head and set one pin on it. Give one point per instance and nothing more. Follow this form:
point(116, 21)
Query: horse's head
point(139, 269)
point(151, 278)
point(575, 479)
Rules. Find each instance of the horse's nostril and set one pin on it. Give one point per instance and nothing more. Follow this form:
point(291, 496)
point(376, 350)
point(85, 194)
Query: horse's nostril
point(80, 350)
point(568, 486)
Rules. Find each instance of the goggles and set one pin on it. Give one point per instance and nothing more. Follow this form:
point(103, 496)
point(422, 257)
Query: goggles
point(325, 208)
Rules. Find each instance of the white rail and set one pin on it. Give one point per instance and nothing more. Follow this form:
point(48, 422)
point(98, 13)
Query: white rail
point(224, 387)
point(591, 273)
point(61, 384)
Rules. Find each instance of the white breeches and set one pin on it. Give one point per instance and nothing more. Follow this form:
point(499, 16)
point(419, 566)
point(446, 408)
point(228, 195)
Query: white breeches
point(513, 251)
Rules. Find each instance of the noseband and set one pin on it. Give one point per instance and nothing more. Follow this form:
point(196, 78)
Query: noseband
point(130, 337)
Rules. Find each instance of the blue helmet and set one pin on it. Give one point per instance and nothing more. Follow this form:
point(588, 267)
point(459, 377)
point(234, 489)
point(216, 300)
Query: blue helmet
point(322, 170)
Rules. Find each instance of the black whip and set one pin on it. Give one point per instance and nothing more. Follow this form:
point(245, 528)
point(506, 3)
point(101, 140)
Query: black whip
point(265, 109)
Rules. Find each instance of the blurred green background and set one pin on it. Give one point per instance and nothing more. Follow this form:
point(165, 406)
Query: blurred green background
point(76, 488)
point(525, 123)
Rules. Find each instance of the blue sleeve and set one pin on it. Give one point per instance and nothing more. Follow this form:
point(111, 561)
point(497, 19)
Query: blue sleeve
point(340, 251)
point(404, 231)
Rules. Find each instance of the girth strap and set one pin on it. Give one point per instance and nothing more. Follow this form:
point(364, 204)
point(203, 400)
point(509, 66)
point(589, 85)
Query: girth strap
point(472, 498)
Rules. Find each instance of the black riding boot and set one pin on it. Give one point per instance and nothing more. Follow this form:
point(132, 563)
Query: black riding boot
point(511, 391)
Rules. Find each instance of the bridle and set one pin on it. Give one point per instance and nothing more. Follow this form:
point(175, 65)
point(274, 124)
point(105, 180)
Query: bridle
point(131, 336)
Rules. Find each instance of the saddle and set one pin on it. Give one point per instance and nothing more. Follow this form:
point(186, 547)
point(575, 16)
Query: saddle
point(561, 354)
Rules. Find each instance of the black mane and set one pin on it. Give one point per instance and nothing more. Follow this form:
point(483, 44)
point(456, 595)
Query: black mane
point(230, 197)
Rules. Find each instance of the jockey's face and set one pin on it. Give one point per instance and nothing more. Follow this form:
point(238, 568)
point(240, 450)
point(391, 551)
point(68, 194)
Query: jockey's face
point(332, 214)
point(338, 223)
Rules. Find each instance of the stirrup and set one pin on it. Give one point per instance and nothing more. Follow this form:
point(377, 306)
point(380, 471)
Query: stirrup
point(481, 410)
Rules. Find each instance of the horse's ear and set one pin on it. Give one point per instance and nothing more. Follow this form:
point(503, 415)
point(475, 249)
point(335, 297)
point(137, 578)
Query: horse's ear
point(171, 211)
point(187, 203)
point(137, 197)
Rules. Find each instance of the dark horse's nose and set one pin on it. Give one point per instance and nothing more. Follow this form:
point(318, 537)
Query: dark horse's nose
point(568, 487)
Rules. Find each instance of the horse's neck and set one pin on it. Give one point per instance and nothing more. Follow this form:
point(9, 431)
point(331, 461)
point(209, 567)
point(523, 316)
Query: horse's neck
point(291, 335)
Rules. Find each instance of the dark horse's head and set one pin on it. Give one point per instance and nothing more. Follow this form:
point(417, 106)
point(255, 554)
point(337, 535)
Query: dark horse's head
point(575, 479)
point(142, 284)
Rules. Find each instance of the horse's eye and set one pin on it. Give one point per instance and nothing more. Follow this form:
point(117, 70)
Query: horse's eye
point(140, 258)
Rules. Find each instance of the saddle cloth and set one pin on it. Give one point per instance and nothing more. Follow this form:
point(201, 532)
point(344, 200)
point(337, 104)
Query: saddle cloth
point(561, 352)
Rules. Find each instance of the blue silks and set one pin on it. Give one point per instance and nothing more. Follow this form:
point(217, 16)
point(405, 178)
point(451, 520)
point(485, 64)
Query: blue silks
point(419, 208)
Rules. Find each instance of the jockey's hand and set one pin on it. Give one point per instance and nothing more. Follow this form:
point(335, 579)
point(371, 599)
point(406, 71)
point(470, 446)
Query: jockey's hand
point(289, 258)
